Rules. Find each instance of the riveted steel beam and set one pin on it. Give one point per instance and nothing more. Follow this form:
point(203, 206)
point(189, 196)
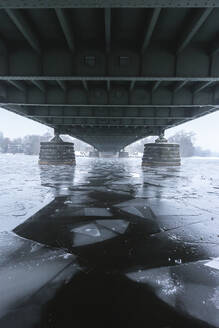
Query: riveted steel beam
point(132, 85)
point(108, 85)
point(18, 85)
point(76, 67)
point(3, 92)
point(107, 3)
point(83, 124)
point(3, 47)
point(179, 86)
point(156, 86)
point(199, 19)
point(111, 113)
point(118, 82)
point(66, 28)
point(116, 106)
point(85, 85)
point(40, 85)
point(109, 78)
point(150, 28)
point(214, 49)
point(23, 26)
point(107, 29)
point(89, 132)
point(62, 84)
point(111, 117)
point(202, 87)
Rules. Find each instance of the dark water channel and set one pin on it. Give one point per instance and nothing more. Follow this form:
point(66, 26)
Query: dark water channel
point(112, 245)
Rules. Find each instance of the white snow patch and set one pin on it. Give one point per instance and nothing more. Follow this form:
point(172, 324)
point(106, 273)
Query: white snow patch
point(213, 263)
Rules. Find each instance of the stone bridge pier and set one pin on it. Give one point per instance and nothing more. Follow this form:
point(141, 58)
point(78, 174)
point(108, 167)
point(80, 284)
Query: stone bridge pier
point(57, 152)
point(123, 154)
point(94, 154)
point(161, 153)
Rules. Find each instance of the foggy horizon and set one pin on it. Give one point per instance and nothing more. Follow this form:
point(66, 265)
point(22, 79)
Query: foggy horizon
point(205, 128)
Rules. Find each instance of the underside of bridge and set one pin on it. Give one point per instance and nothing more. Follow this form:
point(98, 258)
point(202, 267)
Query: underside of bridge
point(109, 72)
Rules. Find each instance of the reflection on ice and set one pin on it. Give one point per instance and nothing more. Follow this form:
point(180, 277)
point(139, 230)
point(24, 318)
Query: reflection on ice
point(95, 211)
point(133, 210)
point(88, 229)
point(119, 226)
point(81, 239)
point(215, 298)
point(99, 231)
point(190, 288)
point(30, 270)
point(35, 247)
point(60, 178)
point(167, 284)
point(214, 263)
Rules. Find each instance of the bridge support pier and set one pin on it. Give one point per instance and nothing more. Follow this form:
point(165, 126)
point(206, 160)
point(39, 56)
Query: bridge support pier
point(161, 153)
point(57, 152)
point(123, 154)
point(94, 153)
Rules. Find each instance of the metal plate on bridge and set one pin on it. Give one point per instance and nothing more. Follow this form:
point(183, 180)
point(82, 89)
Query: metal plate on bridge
point(106, 3)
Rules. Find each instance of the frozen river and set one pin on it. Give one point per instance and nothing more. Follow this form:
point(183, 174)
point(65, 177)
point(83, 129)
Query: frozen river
point(26, 187)
point(128, 242)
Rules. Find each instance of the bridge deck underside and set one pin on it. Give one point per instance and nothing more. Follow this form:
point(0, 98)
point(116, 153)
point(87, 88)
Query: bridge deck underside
point(109, 75)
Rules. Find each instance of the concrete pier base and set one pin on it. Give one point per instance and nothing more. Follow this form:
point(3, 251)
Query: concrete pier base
point(57, 152)
point(161, 153)
point(108, 154)
point(123, 154)
point(94, 153)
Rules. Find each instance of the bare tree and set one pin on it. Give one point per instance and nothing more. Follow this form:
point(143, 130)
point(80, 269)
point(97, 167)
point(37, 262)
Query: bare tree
point(186, 142)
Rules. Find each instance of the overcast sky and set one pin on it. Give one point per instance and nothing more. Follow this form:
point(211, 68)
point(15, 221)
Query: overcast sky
point(205, 128)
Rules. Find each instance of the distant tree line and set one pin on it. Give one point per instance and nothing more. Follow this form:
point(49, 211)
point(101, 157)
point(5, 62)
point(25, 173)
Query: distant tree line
point(187, 147)
point(184, 139)
point(30, 144)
